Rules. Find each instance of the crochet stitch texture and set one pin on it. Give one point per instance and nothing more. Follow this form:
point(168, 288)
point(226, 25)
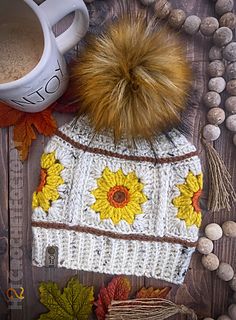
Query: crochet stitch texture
point(118, 208)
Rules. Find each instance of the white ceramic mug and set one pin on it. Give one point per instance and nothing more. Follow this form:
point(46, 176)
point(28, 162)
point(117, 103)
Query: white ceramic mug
point(48, 80)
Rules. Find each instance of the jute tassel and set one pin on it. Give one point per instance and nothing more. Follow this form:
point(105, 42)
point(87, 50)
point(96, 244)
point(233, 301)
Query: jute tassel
point(148, 309)
point(221, 193)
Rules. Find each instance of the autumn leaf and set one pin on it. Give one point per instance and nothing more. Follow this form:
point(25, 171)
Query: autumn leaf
point(24, 132)
point(23, 135)
point(118, 289)
point(45, 123)
point(74, 303)
point(9, 116)
point(153, 293)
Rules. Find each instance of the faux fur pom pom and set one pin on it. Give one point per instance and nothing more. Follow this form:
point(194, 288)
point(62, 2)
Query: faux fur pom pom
point(133, 78)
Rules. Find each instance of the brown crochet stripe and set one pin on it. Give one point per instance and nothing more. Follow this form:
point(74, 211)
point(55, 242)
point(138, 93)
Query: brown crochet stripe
point(123, 156)
point(120, 236)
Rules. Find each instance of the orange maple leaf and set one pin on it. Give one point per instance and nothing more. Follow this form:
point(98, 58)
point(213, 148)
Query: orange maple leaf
point(118, 289)
point(44, 122)
point(24, 124)
point(9, 116)
point(153, 293)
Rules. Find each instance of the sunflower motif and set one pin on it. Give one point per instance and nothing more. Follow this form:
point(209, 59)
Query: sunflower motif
point(188, 201)
point(118, 196)
point(50, 180)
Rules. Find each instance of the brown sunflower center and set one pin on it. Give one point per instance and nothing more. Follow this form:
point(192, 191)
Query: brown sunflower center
point(195, 200)
point(43, 176)
point(118, 196)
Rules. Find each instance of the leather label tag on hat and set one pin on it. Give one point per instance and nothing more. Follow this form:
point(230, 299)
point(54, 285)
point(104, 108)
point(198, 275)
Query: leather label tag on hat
point(51, 259)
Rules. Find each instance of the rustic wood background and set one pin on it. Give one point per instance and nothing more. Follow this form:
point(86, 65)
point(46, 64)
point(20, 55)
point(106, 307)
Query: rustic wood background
point(201, 290)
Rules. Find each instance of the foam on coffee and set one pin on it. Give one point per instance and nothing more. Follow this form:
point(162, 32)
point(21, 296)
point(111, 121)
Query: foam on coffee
point(21, 47)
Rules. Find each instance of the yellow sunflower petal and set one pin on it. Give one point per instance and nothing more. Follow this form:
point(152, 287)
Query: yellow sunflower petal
point(47, 160)
point(35, 202)
point(55, 169)
point(109, 177)
point(192, 182)
point(116, 215)
point(198, 219)
point(43, 202)
point(185, 212)
point(120, 178)
point(106, 213)
point(133, 208)
point(136, 187)
point(200, 180)
point(50, 193)
point(182, 201)
point(54, 181)
point(138, 197)
point(185, 190)
point(103, 185)
point(99, 194)
point(130, 180)
point(128, 216)
point(100, 205)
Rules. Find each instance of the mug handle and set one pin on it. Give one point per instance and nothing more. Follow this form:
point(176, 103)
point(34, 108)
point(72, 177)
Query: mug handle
point(55, 10)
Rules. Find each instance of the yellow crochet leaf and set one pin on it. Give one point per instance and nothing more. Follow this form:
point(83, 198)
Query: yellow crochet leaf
point(74, 303)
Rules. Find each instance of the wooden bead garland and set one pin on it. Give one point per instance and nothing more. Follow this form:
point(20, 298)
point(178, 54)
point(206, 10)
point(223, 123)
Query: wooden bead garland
point(211, 262)
point(221, 32)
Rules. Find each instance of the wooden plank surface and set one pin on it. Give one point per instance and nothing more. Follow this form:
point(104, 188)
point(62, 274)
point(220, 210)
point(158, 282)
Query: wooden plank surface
point(201, 290)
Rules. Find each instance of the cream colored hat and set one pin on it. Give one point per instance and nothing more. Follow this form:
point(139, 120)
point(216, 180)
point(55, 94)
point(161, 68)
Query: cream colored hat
point(117, 208)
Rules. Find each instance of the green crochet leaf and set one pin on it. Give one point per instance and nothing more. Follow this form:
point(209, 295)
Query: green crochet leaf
point(75, 303)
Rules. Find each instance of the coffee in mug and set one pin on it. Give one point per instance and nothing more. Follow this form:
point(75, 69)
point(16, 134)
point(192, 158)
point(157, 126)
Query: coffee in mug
point(20, 50)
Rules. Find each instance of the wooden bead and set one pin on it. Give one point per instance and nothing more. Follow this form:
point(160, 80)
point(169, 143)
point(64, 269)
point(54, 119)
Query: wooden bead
point(222, 36)
point(211, 132)
point(215, 53)
point(204, 246)
point(223, 6)
point(162, 9)
point(231, 71)
point(229, 52)
point(232, 283)
point(232, 311)
point(228, 20)
point(231, 87)
point(213, 231)
point(231, 123)
point(223, 317)
point(216, 68)
point(176, 18)
point(147, 2)
point(229, 229)
point(230, 105)
point(208, 319)
point(192, 24)
point(217, 84)
point(209, 25)
point(234, 139)
point(216, 116)
point(225, 271)
point(212, 99)
point(210, 262)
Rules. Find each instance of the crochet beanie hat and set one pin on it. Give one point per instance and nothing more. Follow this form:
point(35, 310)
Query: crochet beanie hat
point(118, 208)
point(116, 194)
